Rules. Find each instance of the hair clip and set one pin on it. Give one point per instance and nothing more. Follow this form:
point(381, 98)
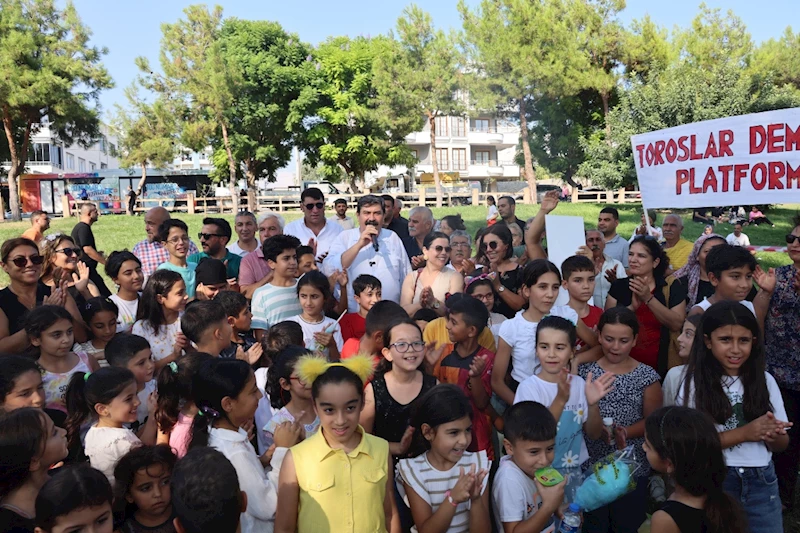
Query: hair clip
point(53, 236)
point(209, 411)
point(86, 376)
point(174, 367)
point(310, 367)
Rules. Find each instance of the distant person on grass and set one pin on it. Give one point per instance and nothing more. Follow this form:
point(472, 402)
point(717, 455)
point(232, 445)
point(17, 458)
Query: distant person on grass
point(84, 237)
point(738, 238)
point(40, 222)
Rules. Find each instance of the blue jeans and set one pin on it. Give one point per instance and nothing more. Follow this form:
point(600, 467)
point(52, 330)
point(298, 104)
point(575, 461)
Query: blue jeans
point(756, 488)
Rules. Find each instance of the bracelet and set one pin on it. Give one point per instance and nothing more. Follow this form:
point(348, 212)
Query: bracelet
point(651, 299)
point(450, 499)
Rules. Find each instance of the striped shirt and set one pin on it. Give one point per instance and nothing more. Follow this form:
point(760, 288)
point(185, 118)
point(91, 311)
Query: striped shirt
point(273, 304)
point(431, 484)
point(153, 254)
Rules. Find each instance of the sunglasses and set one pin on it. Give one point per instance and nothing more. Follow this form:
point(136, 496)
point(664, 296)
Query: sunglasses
point(22, 261)
point(792, 238)
point(69, 252)
point(318, 205)
point(441, 248)
point(207, 236)
point(492, 245)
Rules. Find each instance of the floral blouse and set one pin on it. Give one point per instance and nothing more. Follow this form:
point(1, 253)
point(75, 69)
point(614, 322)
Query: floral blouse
point(782, 330)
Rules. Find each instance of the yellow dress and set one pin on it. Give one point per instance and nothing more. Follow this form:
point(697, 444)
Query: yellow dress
point(679, 254)
point(341, 492)
point(436, 331)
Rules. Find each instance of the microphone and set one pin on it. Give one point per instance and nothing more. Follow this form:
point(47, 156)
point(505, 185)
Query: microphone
point(375, 245)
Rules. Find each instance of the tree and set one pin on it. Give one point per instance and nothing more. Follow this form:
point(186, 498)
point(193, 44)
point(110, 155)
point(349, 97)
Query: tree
point(196, 72)
point(49, 71)
point(345, 126)
point(522, 48)
point(779, 60)
point(146, 133)
point(422, 74)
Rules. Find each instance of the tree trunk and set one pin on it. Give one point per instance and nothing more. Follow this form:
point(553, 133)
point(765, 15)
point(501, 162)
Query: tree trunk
point(435, 162)
point(140, 185)
point(351, 178)
point(606, 97)
point(252, 201)
point(231, 167)
point(530, 175)
point(18, 157)
point(13, 195)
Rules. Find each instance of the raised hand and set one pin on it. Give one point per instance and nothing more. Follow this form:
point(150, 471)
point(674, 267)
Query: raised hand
point(597, 389)
point(324, 339)
point(462, 490)
point(341, 278)
point(766, 280)
point(432, 353)
point(564, 385)
point(550, 201)
point(405, 441)
point(253, 354)
point(58, 296)
point(233, 285)
point(640, 289)
point(477, 487)
point(83, 277)
point(418, 261)
point(365, 239)
point(288, 433)
point(312, 243)
point(467, 267)
point(621, 437)
point(152, 403)
point(585, 251)
point(477, 366)
point(611, 275)
point(552, 497)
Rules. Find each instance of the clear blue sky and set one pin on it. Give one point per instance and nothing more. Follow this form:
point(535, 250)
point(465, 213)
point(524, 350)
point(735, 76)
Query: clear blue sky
point(131, 29)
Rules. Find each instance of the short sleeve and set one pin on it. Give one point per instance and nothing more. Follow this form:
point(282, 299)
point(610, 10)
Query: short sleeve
point(677, 293)
point(259, 312)
point(510, 499)
point(527, 392)
point(405, 474)
point(775, 398)
point(621, 292)
point(648, 375)
point(565, 311)
point(507, 332)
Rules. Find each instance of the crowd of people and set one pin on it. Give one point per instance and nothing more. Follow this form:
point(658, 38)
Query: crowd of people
point(378, 373)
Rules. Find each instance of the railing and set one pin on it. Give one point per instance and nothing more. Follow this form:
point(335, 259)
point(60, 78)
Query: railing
point(619, 196)
point(492, 163)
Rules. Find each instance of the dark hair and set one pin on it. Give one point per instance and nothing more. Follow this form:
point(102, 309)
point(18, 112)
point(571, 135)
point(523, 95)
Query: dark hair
point(340, 201)
point(70, 489)
point(388, 198)
point(223, 226)
point(278, 337)
point(381, 315)
point(282, 368)
point(163, 229)
point(140, 458)
point(160, 283)
point(364, 282)
point(95, 305)
point(123, 347)
point(22, 438)
point(205, 492)
point(368, 200)
point(213, 381)
point(480, 283)
point(428, 315)
point(313, 193)
point(727, 257)
point(387, 334)
point(11, 368)
point(116, 260)
point(441, 404)
point(11, 244)
point(432, 236)
point(43, 317)
point(490, 199)
point(619, 315)
point(175, 387)
point(87, 390)
point(693, 320)
point(336, 375)
point(529, 421)
point(610, 211)
point(509, 199)
point(304, 250)
point(37, 213)
point(277, 244)
point(576, 263)
point(536, 269)
point(560, 324)
point(656, 252)
point(502, 232)
point(455, 222)
point(472, 311)
point(704, 373)
point(232, 302)
point(318, 280)
point(688, 439)
point(200, 318)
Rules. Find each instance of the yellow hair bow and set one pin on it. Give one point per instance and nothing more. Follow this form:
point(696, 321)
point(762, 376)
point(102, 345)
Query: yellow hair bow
point(310, 367)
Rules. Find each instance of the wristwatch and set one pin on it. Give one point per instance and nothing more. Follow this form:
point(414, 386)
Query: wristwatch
point(501, 288)
point(436, 304)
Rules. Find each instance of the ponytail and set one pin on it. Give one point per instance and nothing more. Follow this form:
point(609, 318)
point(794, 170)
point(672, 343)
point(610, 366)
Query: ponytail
point(215, 380)
point(87, 390)
point(174, 387)
point(723, 513)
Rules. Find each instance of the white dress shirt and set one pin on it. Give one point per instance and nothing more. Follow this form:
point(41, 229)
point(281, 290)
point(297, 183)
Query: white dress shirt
point(602, 285)
point(325, 238)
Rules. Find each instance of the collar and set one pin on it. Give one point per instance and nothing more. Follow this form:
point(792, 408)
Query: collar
point(614, 239)
point(322, 451)
point(228, 435)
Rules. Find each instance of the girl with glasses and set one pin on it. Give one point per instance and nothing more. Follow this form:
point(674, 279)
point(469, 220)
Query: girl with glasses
point(427, 287)
point(22, 262)
point(61, 263)
point(290, 395)
point(497, 250)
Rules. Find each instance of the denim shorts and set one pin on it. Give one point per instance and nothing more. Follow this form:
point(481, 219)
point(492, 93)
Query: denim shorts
point(756, 488)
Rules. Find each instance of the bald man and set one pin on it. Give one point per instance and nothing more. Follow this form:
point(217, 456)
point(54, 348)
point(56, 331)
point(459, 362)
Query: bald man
point(677, 248)
point(84, 237)
point(149, 251)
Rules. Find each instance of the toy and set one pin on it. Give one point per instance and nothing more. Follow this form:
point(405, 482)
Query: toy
point(611, 479)
point(549, 476)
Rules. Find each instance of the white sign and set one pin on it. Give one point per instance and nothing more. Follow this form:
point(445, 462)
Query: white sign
point(564, 236)
point(744, 160)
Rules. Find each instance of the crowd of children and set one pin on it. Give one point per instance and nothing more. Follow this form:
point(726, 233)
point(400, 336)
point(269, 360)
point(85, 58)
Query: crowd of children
point(191, 408)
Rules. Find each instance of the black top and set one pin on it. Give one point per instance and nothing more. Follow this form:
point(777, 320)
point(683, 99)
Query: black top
point(412, 248)
point(15, 311)
point(399, 226)
point(11, 522)
point(688, 519)
point(83, 236)
point(246, 341)
point(512, 281)
point(519, 223)
point(392, 418)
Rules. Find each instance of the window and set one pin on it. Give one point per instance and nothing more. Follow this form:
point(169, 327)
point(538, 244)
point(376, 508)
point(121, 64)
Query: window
point(70, 161)
point(441, 127)
point(112, 148)
point(39, 152)
point(482, 124)
point(92, 166)
point(81, 164)
point(103, 165)
point(55, 155)
point(481, 157)
point(459, 128)
point(441, 158)
point(459, 159)
point(414, 154)
point(103, 144)
point(186, 156)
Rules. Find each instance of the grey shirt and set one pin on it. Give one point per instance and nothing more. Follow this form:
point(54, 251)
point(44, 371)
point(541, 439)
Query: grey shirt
point(617, 248)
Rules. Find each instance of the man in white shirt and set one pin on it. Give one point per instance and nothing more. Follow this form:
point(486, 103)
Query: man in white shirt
point(370, 249)
point(607, 268)
point(737, 238)
point(245, 226)
point(314, 229)
point(341, 218)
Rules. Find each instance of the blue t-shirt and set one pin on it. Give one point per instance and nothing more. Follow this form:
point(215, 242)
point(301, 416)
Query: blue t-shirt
point(187, 273)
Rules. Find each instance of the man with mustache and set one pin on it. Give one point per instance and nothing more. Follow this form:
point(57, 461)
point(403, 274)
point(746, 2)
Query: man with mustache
point(420, 224)
point(606, 268)
point(677, 248)
point(392, 219)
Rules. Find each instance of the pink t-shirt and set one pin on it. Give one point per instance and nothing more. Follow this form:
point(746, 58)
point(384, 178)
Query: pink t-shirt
point(181, 433)
point(55, 385)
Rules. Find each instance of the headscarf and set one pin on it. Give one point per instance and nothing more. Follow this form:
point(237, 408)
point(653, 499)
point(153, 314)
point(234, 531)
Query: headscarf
point(691, 269)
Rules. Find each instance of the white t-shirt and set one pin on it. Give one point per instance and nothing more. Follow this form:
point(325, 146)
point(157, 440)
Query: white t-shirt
point(161, 344)
point(127, 312)
point(236, 249)
point(492, 212)
point(746, 454)
point(324, 240)
point(310, 328)
point(520, 335)
point(741, 240)
point(514, 496)
point(144, 395)
point(570, 449)
point(105, 446)
point(673, 385)
point(705, 304)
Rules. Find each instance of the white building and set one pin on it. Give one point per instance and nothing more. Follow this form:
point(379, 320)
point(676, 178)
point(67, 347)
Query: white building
point(189, 160)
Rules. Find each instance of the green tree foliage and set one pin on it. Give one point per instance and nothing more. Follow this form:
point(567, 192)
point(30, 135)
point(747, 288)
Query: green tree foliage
point(423, 73)
point(779, 60)
point(49, 71)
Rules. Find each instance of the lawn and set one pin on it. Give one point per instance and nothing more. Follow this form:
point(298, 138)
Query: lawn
point(117, 232)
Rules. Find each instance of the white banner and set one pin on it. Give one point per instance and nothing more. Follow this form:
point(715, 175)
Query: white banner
point(744, 160)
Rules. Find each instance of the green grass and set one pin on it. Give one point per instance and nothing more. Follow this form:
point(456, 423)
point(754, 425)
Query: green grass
point(117, 232)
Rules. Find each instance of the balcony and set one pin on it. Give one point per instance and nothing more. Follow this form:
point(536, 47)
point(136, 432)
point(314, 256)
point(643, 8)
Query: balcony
point(418, 137)
point(492, 168)
point(505, 136)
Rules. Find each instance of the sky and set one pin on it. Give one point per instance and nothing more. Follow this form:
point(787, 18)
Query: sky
point(133, 28)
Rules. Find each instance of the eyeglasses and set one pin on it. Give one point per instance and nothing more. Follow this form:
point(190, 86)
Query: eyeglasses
point(483, 297)
point(22, 261)
point(297, 379)
point(178, 240)
point(69, 252)
point(207, 236)
point(403, 347)
point(459, 244)
point(791, 238)
point(492, 245)
point(318, 205)
point(441, 248)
